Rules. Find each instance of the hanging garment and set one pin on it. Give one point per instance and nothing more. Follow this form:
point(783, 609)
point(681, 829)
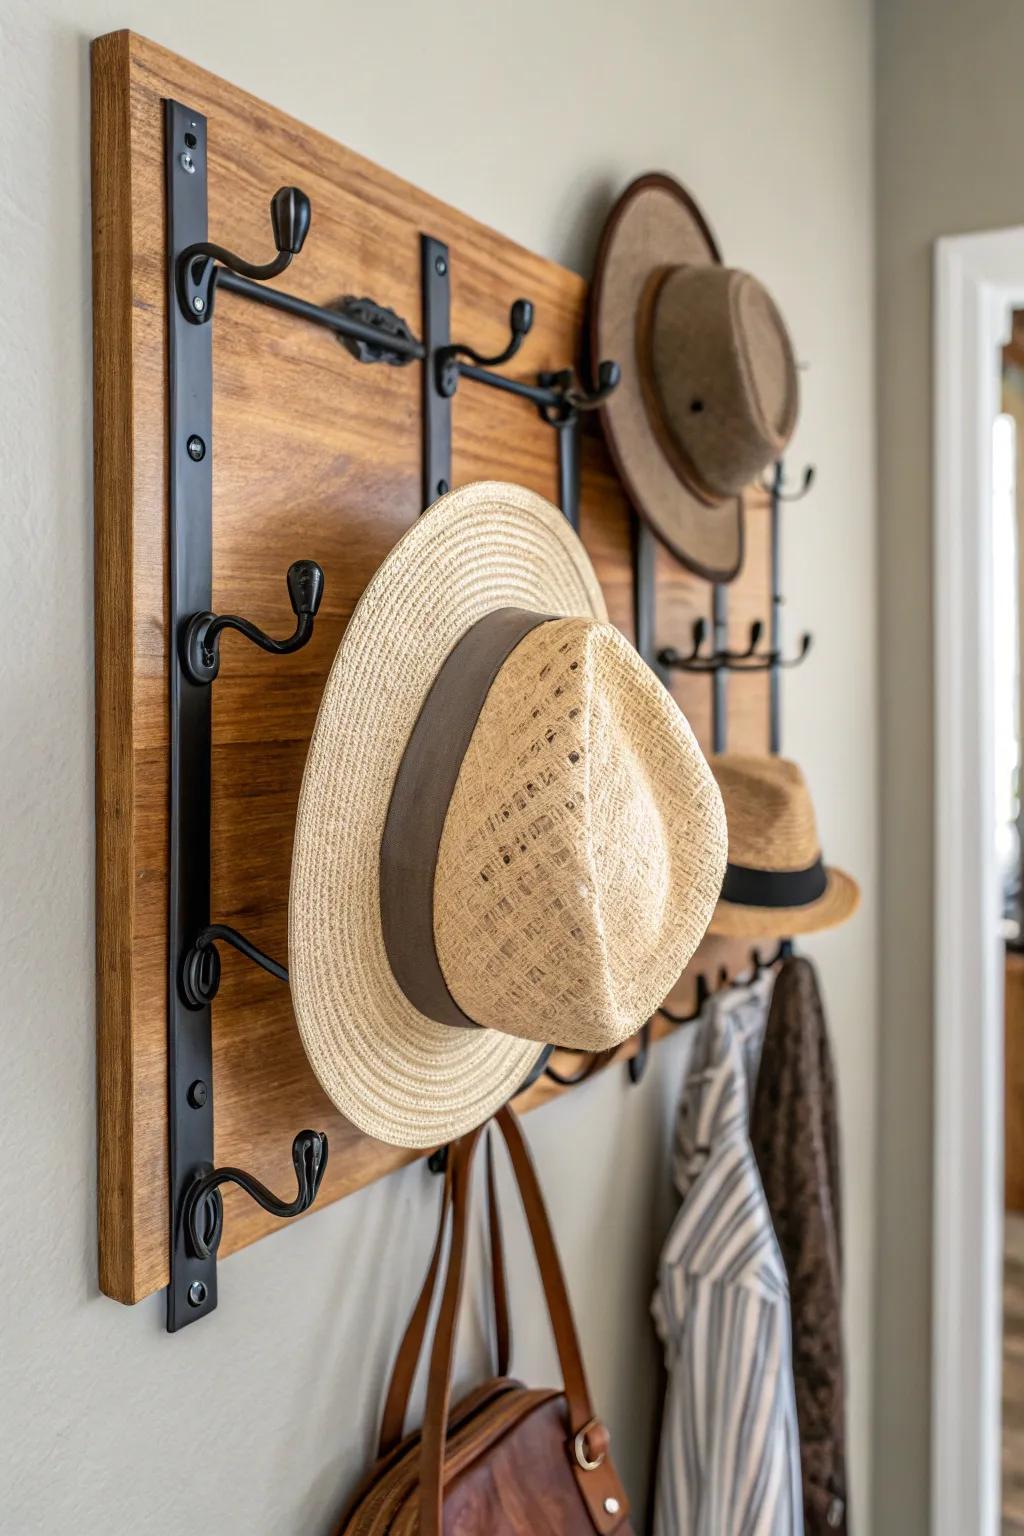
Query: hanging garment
point(729, 1459)
point(794, 1134)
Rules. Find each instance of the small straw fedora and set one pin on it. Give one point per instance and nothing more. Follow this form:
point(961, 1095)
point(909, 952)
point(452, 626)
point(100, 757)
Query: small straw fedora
point(708, 395)
point(775, 883)
point(507, 836)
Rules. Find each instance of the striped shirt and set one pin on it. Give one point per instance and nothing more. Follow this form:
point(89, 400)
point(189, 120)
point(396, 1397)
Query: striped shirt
point(729, 1461)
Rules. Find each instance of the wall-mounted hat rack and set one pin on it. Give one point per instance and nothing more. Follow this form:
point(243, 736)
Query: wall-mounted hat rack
point(373, 334)
point(718, 660)
point(320, 466)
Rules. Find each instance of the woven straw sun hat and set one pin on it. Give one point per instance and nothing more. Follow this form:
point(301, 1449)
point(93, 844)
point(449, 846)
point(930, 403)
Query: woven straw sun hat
point(708, 395)
point(775, 883)
point(506, 836)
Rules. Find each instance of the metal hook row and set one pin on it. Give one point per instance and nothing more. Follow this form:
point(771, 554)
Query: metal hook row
point(747, 660)
point(637, 1064)
point(370, 331)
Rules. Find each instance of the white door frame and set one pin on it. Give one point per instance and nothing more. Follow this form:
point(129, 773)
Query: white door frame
point(979, 280)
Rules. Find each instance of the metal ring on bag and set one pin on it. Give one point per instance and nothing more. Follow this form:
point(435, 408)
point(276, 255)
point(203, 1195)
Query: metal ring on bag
point(579, 1449)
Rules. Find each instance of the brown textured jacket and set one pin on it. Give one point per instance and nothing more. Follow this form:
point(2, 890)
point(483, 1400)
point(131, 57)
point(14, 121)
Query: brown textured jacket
point(794, 1133)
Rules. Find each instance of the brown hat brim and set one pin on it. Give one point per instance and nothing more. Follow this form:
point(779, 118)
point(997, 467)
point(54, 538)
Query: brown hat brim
point(655, 224)
point(840, 900)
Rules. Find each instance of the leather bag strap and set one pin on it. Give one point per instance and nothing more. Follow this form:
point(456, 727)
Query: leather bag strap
point(435, 1425)
point(499, 1274)
point(439, 1383)
point(556, 1293)
point(403, 1373)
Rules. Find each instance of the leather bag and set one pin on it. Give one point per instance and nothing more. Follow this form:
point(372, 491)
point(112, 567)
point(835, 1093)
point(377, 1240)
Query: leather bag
point(507, 1460)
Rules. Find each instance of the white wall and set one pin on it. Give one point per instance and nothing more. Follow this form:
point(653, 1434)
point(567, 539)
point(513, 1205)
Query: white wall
point(532, 117)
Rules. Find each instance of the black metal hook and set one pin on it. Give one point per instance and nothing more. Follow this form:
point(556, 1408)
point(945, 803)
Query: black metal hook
point(775, 486)
point(520, 319)
point(573, 398)
point(199, 979)
point(703, 993)
point(200, 264)
point(747, 660)
point(636, 1066)
point(204, 1208)
point(637, 1063)
point(698, 660)
point(591, 1064)
point(200, 649)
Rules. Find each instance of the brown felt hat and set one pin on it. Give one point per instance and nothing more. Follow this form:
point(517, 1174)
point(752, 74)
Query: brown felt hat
point(708, 395)
point(507, 835)
point(775, 882)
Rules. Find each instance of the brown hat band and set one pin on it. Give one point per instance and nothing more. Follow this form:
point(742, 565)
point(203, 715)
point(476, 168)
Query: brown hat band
point(423, 789)
point(745, 887)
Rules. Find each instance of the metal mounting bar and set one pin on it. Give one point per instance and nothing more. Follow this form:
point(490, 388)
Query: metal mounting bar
point(720, 641)
point(345, 320)
point(437, 406)
point(193, 963)
point(645, 551)
point(192, 1291)
point(778, 494)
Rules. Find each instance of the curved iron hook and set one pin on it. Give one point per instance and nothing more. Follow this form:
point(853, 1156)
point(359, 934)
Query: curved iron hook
point(775, 486)
point(734, 661)
point(200, 641)
point(636, 1066)
point(199, 264)
point(573, 398)
point(593, 1063)
point(200, 969)
point(520, 320)
point(204, 1208)
point(703, 993)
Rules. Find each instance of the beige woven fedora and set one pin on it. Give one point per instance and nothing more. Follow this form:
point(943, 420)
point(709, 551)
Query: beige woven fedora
point(708, 395)
point(775, 883)
point(507, 835)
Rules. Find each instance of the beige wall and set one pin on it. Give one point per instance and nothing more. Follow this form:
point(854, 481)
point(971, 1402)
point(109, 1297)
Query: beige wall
point(949, 136)
point(530, 116)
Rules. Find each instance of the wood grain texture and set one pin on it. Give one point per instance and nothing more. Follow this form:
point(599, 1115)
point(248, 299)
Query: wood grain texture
point(315, 456)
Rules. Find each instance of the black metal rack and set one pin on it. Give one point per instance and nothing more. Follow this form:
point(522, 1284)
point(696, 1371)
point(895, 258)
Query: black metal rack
point(197, 271)
point(717, 662)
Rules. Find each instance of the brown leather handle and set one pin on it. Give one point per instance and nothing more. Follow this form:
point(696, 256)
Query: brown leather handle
point(435, 1425)
point(403, 1373)
point(556, 1292)
point(439, 1382)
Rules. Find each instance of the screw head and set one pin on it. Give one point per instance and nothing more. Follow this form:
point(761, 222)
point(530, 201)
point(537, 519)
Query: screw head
point(611, 1505)
point(442, 487)
point(198, 303)
point(196, 447)
point(186, 162)
point(440, 266)
point(196, 1293)
point(198, 1094)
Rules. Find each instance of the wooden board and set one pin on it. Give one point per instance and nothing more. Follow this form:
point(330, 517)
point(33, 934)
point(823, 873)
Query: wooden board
point(315, 456)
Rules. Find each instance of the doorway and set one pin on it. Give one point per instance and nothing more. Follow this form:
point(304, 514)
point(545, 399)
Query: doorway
point(979, 285)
